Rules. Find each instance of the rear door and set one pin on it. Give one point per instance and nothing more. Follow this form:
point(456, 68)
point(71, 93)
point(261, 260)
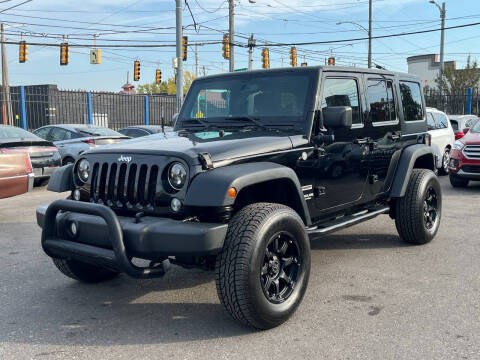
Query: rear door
point(383, 129)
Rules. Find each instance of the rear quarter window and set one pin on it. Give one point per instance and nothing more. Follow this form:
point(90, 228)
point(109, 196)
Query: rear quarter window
point(411, 101)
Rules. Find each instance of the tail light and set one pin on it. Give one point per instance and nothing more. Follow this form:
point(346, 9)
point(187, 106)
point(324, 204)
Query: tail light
point(28, 164)
point(428, 139)
point(459, 135)
point(90, 142)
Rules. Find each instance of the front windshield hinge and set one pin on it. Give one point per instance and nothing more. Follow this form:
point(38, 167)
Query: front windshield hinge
point(206, 161)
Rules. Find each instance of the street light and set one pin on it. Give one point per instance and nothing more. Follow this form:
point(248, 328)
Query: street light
point(442, 38)
point(369, 32)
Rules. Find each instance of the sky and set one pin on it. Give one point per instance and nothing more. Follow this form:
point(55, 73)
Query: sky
point(152, 22)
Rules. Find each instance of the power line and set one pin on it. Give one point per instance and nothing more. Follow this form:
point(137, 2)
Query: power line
point(14, 6)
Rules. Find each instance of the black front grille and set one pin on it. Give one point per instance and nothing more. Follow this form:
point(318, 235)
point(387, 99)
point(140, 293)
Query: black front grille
point(471, 169)
point(130, 186)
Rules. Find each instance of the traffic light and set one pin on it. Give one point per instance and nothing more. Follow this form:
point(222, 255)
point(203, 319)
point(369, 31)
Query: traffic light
point(293, 56)
point(64, 53)
point(226, 46)
point(184, 47)
point(158, 76)
point(265, 59)
point(136, 70)
point(23, 52)
point(331, 61)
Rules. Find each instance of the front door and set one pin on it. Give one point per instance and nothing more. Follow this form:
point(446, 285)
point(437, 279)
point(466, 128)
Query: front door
point(341, 172)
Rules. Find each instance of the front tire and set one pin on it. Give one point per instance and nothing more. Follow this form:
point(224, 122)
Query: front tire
point(83, 272)
point(419, 212)
point(458, 182)
point(263, 270)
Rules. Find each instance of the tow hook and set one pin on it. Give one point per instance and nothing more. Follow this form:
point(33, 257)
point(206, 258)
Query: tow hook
point(164, 265)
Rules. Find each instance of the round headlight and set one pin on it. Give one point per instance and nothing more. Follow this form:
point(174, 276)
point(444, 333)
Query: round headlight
point(83, 170)
point(177, 175)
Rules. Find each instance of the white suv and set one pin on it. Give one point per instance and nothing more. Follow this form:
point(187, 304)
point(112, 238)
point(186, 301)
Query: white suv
point(443, 137)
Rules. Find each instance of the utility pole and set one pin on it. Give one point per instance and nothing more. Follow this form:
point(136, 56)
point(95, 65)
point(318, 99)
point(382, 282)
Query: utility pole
point(443, 13)
point(179, 54)
point(251, 45)
point(196, 60)
point(369, 34)
point(231, 7)
point(7, 112)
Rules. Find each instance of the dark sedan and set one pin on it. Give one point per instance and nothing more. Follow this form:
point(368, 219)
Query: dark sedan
point(144, 130)
point(43, 154)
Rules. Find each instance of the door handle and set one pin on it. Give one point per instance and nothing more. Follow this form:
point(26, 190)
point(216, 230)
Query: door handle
point(395, 135)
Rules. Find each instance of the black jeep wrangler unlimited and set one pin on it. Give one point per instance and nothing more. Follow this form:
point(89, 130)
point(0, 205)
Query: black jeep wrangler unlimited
point(259, 162)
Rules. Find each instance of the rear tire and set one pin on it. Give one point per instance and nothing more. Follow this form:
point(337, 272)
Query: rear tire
point(445, 161)
point(262, 272)
point(83, 272)
point(419, 212)
point(457, 182)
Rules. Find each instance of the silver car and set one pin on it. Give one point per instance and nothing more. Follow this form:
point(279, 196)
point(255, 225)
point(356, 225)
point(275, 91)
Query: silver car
point(74, 139)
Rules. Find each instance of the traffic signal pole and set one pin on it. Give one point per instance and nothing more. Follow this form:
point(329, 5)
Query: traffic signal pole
point(7, 112)
point(179, 55)
point(231, 6)
point(251, 45)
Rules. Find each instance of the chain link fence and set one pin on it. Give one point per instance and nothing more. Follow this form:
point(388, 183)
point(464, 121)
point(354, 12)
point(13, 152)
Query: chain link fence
point(45, 105)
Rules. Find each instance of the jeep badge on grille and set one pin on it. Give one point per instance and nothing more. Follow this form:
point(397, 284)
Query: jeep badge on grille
point(126, 159)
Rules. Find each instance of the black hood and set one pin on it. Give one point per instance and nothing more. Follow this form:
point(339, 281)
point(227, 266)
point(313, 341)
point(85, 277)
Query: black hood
point(188, 145)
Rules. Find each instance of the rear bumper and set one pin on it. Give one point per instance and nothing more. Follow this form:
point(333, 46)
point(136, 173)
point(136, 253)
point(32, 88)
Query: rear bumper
point(107, 240)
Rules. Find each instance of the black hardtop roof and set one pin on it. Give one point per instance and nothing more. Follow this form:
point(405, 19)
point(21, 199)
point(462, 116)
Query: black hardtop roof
point(346, 69)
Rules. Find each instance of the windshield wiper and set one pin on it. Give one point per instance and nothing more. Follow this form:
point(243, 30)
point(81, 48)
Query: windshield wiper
point(248, 118)
point(205, 125)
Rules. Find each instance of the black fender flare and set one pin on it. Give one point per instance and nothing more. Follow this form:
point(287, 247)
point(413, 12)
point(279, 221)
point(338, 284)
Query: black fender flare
point(62, 179)
point(210, 188)
point(405, 167)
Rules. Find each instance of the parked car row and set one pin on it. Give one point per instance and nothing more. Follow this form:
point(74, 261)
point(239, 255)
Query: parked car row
point(28, 158)
point(456, 143)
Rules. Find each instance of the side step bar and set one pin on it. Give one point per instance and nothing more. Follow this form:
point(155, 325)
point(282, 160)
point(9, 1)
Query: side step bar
point(349, 221)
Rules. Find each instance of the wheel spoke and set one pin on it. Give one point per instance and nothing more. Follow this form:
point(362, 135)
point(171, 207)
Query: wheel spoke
point(264, 270)
point(284, 276)
point(287, 261)
point(268, 253)
point(275, 244)
point(276, 284)
point(268, 283)
point(283, 248)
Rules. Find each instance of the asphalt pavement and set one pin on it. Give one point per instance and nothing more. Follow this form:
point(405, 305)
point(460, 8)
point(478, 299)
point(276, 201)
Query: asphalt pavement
point(370, 296)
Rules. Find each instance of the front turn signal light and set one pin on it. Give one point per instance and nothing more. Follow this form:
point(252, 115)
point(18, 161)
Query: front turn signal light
point(232, 192)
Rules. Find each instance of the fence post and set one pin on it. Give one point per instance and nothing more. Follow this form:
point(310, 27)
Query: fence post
point(469, 101)
point(23, 108)
point(89, 108)
point(145, 101)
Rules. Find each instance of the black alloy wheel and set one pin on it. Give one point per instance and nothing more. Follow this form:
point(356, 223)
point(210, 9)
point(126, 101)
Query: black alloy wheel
point(263, 269)
point(279, 272)
point(430, 208)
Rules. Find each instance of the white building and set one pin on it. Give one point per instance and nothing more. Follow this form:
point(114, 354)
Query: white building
point(427, 68)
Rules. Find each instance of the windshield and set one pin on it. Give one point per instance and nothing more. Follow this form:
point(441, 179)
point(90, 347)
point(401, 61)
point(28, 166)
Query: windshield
point(14, 132)
point(476, 128)
point(269, 99)
point(97, 131)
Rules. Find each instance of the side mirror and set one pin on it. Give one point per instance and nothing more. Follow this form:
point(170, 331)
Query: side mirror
point(335, 117)
point(466, 130)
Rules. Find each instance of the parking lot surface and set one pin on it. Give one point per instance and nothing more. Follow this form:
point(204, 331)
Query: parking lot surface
point(370, 296)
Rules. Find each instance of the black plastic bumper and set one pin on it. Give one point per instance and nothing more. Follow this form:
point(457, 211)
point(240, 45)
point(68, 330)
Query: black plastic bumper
point(107, 240)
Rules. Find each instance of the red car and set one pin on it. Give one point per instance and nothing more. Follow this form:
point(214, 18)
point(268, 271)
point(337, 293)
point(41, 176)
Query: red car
point(465, 158)
point(16, 174)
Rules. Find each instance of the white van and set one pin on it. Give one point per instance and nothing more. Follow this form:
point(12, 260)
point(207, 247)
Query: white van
point(443, 137)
